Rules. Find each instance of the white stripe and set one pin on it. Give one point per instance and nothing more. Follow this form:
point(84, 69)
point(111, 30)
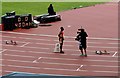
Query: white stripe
point(40, 68)
point(104, 66)
point(63, 58)
point(69, 41)
point(57, 36)
point(59, 63)
point(95, 55)
point(68, 49)
point(114, 54)
point(28, 47)
point(25, 44)
point(78, 69)
point(62, 54)
point(106, 71)
point(59, 69)
point(18, 60)
point(54, 40)
point(35, 61)
point(54, 44)
point(19, 55)
point(34, 39)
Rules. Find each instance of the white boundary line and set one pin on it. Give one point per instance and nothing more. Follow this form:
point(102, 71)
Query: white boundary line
point(28, 47)
point(20, 55)
point(56, 40)
point(35, 61)
point(114, 54)
point(78, 69)
point(25, 44)
point(58, 63)
point(103, 66)
point(62, 58)
point(60, 69)
point(54, 53)
point(66, 49)
point(65, 44)
point(56, 35)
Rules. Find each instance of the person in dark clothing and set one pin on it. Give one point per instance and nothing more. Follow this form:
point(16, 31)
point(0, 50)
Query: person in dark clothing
point(61, 38)
point(51, 10)
point(82, 40)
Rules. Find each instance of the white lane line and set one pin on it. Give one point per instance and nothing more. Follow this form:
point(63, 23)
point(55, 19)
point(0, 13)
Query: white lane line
point(52, 58)
point(40, 68)
point(36, 61)
point(34, 39)
point(66, 49)
point(56, 35)
point(25, 44)
point(28, 47)
point(68, 41)
point(62, 54)
point(61, 64)
point(41, 39)
point(66, 64)
point(59, 68)
point(106, 71)
point(78, 69)
point(19, 55)
point(53, 44)
point(65, 45)
point(103, 66)
point(114, 54)
point(57, 40)
point(94, 55)
point(27, 38)
point(17, 61)
point(29, 67)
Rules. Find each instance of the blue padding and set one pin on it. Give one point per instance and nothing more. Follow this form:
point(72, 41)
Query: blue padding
point(29, 75)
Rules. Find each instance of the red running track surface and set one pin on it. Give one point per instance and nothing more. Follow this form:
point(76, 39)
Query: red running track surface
point(34, 52)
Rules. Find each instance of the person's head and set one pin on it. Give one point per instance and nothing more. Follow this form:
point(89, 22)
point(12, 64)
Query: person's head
point(61, 28)
point(50, 4)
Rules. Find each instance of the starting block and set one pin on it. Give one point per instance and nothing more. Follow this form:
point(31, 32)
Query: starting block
point(57, 47)
point(11, 42)
point(101, 52)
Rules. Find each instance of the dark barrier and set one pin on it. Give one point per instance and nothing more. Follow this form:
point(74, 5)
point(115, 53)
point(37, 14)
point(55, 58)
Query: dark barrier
point(18, 21)
point(10, 21)
point(45, 18)
point(10, 13)
point(26, 21)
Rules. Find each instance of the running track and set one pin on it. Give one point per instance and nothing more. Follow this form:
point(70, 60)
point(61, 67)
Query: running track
point(34, 52)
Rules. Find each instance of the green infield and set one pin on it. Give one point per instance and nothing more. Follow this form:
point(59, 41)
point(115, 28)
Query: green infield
point(37, 8)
